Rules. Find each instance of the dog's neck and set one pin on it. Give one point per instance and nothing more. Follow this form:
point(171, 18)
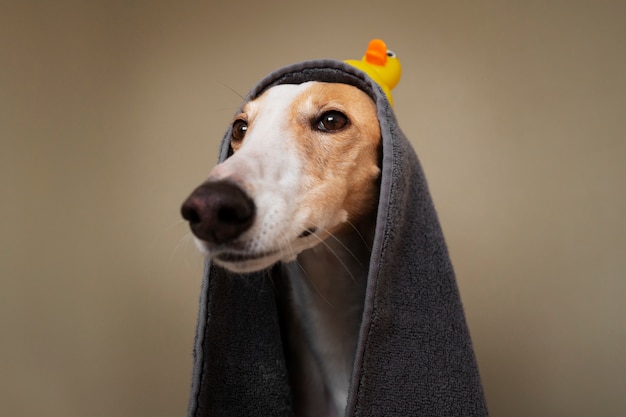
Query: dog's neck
point(327, 296)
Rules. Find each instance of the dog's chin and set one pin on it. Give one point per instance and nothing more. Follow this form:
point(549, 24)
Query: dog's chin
point(246, 266)
point(243, 262)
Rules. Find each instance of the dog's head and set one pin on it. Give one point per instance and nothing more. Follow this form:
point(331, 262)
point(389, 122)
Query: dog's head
point(304, 166)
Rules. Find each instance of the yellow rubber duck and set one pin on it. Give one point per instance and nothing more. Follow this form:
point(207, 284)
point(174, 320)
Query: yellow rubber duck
point(381, 64)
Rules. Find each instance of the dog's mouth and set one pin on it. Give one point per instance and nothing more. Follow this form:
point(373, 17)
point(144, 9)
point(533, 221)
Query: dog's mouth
point(308, 232)
point(246, 262)
point(238, 257)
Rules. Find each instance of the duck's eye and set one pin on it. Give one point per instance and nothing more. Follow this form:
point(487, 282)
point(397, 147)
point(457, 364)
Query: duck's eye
point(240, 127)
point(331, 121)
point(390, 53)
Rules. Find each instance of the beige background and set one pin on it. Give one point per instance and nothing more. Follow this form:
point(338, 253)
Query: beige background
point(111, 111)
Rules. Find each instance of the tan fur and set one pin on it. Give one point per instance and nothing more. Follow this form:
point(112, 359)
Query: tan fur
point(342, 167)
point(341, 170)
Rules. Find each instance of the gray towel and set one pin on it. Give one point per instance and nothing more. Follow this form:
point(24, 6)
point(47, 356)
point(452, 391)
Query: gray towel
point(414, 355)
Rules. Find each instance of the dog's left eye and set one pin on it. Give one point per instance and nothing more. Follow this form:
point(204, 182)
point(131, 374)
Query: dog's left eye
point(331, 121)
point(240, 127)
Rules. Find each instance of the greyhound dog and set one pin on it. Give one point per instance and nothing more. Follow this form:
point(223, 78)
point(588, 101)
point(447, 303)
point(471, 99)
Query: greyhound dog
point(301, 188)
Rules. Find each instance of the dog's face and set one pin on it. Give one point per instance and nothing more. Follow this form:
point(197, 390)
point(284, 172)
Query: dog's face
point(305, 165)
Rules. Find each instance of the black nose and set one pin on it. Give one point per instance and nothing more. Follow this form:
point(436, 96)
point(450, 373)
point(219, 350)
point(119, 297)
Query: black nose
point(218, 212)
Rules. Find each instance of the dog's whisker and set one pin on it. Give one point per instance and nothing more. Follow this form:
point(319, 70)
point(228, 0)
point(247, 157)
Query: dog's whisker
point(312, 282)
point(336, 255)
point(286, 245)
point(175, 224)
point(343, 245)
point(231, 89)
point(184, 240)
point(360, 235)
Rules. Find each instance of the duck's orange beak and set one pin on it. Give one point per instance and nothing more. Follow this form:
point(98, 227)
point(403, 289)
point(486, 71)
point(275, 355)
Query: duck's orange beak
point(376, 52)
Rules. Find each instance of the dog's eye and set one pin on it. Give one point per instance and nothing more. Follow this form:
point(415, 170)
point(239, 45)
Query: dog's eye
point(240, 127)
point(331, 121)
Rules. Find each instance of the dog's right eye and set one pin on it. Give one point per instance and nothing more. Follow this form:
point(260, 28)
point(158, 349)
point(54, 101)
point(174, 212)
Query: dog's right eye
point(240, 127)
point(331, 121)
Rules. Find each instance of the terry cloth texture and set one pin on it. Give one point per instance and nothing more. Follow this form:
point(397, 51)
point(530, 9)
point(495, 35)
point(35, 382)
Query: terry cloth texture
point(414, 355)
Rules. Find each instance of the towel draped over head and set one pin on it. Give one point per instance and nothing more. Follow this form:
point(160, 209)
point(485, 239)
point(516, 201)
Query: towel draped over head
point(414, 356)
